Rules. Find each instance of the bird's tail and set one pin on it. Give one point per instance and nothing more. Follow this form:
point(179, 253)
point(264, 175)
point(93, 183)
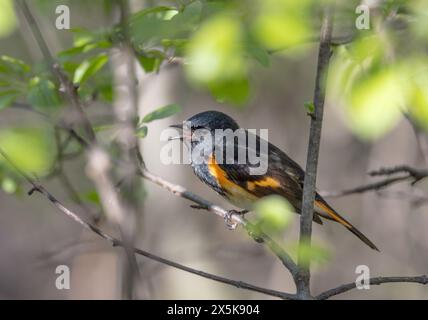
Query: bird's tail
point(323, 209)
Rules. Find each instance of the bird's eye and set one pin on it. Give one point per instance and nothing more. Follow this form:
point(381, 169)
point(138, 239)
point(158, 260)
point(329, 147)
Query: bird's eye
point(197, 127)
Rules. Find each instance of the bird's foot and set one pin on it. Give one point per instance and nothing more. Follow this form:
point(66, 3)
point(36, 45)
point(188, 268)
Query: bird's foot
point(230, 224)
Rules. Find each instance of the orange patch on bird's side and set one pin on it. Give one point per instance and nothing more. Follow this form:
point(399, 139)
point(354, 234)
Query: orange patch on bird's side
point(233, 189)
point(220, 175)
point(265, 182)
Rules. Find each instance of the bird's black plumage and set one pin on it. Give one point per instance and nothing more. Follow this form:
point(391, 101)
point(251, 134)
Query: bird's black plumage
point(234, 180)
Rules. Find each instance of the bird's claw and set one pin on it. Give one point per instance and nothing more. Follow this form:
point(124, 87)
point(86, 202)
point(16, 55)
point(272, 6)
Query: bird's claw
point(230, 224)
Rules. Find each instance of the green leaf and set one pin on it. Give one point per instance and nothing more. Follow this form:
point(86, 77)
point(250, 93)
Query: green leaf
point(161, 11)
point(311, 253)
point(283, 23)
point(258, 53)
point(89, 67)
point(92, 196)
point(310, 108)
point(12, 65)
point(66, 54)
point(7, 98)
point(29, 149)
point(152, 25)
point(235, 91)
point(8, 21)
point(187, 19)
point(151, 61)
point(71, 52)
point(106, 92)
point(70, 66)
point(216, 59)
point(42, 93)
point(149, 64)
point(9, 185)
point(82, 36)
point(142, 132)
point(178, 45)
point(274, 213)
point(375, 104)
point(104, 127)
point(215, 53)
point(161, 113)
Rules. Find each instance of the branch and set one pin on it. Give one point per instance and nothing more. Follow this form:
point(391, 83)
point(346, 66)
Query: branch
point(416, 174)
point(36, 187)
point(125, 108)
point(60, 172)
point(67, 85)
point(61, 125)
point(324, 54)
point(237, 219)
point(106, 188)
point(409, 173)
point(373, 281)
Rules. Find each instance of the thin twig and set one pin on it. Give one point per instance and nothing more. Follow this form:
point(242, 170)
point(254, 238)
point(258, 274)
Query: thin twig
point(252, 230)
point(36, 187)
point(61, 125)
point(324, 54)
point(416, 174)
point(407, 173)
point(372, 281)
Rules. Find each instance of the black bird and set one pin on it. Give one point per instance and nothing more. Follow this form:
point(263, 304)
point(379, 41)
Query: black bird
point(235, 180)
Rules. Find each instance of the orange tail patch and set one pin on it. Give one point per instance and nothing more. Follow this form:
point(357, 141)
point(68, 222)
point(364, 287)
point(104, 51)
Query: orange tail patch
point(329, 211)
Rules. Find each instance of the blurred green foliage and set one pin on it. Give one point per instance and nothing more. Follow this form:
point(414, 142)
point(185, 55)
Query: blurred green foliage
point(311, 252)
point(274, 213)
point(18, 81)
point(8, 21)
point(284, 23)
point(375, 77)
point(30, 149)
point(381, 75)
point(42, 93)
point(161, 113)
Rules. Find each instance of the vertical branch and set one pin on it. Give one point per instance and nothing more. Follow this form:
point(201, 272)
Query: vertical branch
point(324, 53)
point(126, 112)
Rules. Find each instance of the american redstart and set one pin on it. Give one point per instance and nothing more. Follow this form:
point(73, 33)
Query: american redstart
point(237, 179)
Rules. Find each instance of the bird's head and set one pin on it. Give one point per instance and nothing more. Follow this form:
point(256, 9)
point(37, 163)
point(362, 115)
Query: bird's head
point(205, 122)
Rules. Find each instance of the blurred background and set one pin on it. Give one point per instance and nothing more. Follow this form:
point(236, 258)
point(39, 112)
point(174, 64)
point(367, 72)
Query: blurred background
point(264, 85)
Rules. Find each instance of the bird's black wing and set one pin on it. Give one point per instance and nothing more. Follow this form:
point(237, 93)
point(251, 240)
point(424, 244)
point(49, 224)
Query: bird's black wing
point(281, 176)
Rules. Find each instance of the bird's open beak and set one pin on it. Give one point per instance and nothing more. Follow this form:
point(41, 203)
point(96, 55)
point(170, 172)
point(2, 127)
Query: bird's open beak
point(177, 126)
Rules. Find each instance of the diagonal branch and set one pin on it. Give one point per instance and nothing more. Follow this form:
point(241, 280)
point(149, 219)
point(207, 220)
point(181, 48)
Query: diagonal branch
point(36, 187)
point(373, 281)
point(237, 219)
